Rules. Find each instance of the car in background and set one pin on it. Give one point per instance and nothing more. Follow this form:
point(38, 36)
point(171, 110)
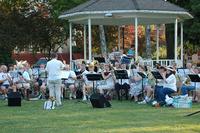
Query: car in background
point(39, 62)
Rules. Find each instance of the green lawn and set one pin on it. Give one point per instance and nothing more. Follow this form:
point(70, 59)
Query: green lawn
point(72, 117)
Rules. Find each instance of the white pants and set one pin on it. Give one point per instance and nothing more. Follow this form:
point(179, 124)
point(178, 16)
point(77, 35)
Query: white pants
point(55, 90)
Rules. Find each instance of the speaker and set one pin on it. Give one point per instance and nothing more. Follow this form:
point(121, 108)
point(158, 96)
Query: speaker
point(14, 99)
point(99, 101)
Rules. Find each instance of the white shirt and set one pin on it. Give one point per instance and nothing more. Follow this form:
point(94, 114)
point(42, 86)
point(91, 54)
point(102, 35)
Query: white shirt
point(71, 76)
point(3, 76)
point(54, 68)
point(170, 82)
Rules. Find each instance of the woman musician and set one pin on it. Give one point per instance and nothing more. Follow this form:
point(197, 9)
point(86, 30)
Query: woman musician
point(88, 85)
point(169, 85)
point(187, 84)
point(5, 80)
point(122, 84)
point(108, 80)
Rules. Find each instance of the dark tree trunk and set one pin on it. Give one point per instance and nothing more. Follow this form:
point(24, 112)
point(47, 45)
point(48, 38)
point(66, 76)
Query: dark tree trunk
point(170, 40)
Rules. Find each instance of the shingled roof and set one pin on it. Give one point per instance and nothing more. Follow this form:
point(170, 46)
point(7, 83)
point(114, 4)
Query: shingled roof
point(110, 5)
point(125, 6)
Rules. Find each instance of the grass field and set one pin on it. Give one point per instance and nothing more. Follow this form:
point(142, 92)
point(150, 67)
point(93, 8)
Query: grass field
point(72, 117)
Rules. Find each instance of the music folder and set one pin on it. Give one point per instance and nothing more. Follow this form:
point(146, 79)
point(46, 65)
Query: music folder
point(94, 77)
point(156, 75)
point(121, 74)
point(100, 59)
point(194, 77)
point(142, 74)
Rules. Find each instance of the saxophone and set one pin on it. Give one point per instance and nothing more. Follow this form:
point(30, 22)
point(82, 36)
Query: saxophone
point(187, 81)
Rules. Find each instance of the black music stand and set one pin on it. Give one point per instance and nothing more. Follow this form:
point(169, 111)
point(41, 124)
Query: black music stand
point(143, 76)
point(78, 74)
point(94, 77)
point(100, 59)
point(194, 78)
point(157, 76)
point(121, 74)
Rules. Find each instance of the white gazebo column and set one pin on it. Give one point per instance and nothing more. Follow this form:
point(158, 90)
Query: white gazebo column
point(85, 47)
point(119, 37)
point(136, 38)
point(70, 44)
point(182, 43)
point(90, 39)
point(157, 43)
point(176, 40)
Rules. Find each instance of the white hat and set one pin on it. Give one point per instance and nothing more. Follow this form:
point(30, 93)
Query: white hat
point(170, 68)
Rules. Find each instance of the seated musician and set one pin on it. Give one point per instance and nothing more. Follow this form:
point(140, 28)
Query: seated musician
point(111, 56)
point(70, 82)
point(197, 86)
point(108, 81)
point(88, 85)
point(187, 84)
point(124, 85)
point(169, 86)
point(40, 81)
point(138, 84)
point(147, 85)
point(117, 66)
point(5, 81)
point(160, 82)
point(23, 81)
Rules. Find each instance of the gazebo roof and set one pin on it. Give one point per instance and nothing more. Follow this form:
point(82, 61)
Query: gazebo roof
point(121, 12)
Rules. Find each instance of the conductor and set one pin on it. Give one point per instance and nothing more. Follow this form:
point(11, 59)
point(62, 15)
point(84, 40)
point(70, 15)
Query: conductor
point(53, 69)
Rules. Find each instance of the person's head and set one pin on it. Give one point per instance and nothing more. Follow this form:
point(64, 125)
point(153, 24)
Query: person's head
point(42, 66)
point(91, 67)
point(196, 70)
point(106, 67)
point(123, 66)
point(67, 67)
point(54, 55)
point(83, 67)
point(4, 68)
point(113, 49)
point(21, 68)
point(162, 69)
point(142, 68)
point(117, 65)
point(78, 65)
point(189, 65)
point(132, 47)
point(170, 70)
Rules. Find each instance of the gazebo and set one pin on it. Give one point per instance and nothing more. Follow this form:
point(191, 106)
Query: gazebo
point(126, 12)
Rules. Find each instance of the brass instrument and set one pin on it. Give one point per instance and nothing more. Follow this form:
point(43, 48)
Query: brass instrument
point(187, 81)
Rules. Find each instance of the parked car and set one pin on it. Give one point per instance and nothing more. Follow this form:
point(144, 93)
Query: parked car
point(39, 62)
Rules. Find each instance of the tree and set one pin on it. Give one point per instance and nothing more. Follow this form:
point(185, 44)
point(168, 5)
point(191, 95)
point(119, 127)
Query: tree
point(191, 27)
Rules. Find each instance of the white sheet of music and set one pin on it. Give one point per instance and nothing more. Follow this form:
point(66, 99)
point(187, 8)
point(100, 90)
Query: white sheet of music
point(64, 74)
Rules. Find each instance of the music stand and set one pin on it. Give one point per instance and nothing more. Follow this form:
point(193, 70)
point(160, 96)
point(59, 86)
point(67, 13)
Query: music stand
point(94, 77)
point(157, 76)
point(143, 76)
point(121, 74)
point(194, 78)
point(100, 59)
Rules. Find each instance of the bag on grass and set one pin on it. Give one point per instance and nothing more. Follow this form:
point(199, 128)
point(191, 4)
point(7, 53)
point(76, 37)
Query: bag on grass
point(48, 105)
